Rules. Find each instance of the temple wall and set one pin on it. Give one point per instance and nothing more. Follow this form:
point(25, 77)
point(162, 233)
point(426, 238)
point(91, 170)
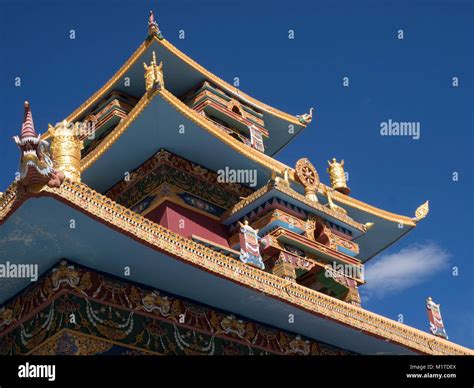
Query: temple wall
point(188, 223)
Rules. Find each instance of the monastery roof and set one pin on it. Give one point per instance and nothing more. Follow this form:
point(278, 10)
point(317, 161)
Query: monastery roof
point(181, 73)
point(161, 252)
point(127, 145)
point(124, 149)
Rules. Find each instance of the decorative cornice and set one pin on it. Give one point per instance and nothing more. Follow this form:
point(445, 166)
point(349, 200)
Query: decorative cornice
point(295, 195)
point(85, 199)
point(315, 246)
point(174, 198)
point(231, 192)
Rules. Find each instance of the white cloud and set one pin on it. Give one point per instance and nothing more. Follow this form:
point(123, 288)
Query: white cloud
point(395, 272)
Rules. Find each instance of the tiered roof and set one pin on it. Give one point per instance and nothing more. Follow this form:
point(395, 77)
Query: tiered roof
point(251, 292)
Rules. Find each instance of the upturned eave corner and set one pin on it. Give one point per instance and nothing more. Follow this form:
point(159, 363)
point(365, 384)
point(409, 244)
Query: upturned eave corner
point(300, 120)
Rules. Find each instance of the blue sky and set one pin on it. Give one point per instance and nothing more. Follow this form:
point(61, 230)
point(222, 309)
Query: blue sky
point(389, 78)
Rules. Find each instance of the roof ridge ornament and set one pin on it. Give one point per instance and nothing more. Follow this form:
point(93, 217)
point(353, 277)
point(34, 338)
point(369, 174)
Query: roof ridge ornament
point(36, 166)
point(422, 211)
point(306, 118)
point(28, 127)
point(154, 75)
point(153, 29)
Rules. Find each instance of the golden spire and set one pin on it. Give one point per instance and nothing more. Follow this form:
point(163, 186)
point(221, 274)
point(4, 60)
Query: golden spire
point(337, 176)
point(153, 75)
point(422, 211)
point(66, 149)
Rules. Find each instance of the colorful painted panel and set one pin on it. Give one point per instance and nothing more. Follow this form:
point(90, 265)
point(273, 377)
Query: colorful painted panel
point(249, 246)
point(73, 310)
point(190, 177)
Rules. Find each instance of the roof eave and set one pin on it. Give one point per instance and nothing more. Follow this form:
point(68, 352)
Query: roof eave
point(79, 196)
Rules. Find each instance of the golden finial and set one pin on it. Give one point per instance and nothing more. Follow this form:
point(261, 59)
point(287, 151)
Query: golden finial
point(153, 74)
point(338, 176)
point(422, 211)
point(66, 149)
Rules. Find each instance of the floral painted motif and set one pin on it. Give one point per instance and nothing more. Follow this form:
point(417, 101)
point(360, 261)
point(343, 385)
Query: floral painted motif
point(112, 315)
